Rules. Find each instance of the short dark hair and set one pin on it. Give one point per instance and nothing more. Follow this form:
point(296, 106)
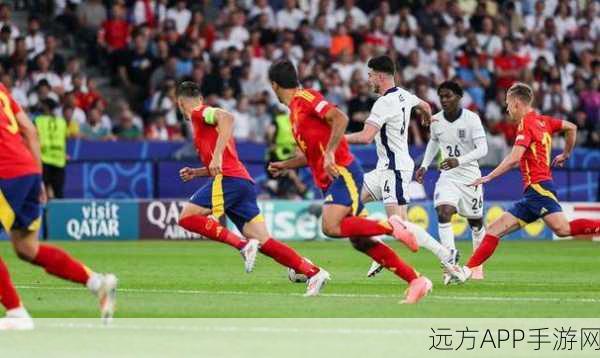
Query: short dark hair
point(521, 91)
point(382, 64)
point(284, 74)
point(451, 86)
point(188, 89)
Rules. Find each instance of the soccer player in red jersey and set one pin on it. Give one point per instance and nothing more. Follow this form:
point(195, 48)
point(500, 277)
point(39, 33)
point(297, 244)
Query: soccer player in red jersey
point(21, 198)
point(319, 127)
point(230, 191)
point(532, 150)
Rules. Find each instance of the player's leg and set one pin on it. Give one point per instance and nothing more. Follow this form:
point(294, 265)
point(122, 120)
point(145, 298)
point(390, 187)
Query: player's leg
point(444, 213)
point(195, 216)
point(558, 223)
point(477, 235)
point(502, 226)
point(59, 263)
point(17, 316)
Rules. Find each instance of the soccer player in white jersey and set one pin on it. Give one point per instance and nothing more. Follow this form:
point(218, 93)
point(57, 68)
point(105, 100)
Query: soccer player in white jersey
point(388, 124)
point(458, 135)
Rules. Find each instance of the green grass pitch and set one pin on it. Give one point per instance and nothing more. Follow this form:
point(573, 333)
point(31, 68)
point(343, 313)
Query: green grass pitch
point(205, 279)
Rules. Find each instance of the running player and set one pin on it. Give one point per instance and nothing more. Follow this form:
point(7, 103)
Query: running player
point(21, 198)
point(459, 135)
point(230, 191)
point(319, 127)
point(388, 125)
point(532, 151)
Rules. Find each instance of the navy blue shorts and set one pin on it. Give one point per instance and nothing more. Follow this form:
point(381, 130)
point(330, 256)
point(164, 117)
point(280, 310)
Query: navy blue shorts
point(235, 197)
point(539, 200)
point(20, 206)
point(345, 189)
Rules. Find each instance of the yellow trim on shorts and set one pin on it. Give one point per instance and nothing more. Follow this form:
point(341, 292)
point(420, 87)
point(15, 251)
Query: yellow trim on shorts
point(540, 190)
point(35, 225)
point(352, 188)
point(257, 219)
point(218, 198)
point(7, 214)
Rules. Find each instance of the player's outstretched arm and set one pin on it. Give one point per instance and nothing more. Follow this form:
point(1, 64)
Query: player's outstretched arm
point(424, 109)
point(507, 164)
point(29, 133)
point(277, 168)
point(224, 122)
point(365, 136)
point(570, 130)
point(186, 174)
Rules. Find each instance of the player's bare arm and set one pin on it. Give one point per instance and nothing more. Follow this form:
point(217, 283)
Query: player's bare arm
point(186, 174)
point(366, 136)
point(430, 152)
point(507, 164)
point(224, 121)
point(570, 130)
point(423, 110)
point(277, 168)
point(338, 122)
point(30, 136)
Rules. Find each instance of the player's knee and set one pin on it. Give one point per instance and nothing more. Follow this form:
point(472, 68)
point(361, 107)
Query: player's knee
point(562, 231)
point(476, 224)
point(25, 252)
point(444, 214)
point(331, 229)
point(362, 244)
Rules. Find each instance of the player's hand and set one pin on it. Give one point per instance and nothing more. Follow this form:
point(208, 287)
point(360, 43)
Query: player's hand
point(449, 163)
point(215, 167)
point(329, 165)
point(479, 181)
point(276, 168)
point(420, 175)
point(559, 160)
point(186, 174)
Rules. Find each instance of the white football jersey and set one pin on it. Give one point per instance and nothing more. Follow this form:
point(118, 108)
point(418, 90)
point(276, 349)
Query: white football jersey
point(391, 113)
point(456, 139)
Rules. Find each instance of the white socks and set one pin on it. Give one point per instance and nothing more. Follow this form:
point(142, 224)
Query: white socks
point(427, 241)
point(477, 237)
point(446, 235)
point(94, 282)
point(19, 312)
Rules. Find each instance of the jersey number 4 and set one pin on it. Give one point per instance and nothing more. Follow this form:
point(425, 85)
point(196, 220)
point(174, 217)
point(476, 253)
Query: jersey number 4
point(13, 126)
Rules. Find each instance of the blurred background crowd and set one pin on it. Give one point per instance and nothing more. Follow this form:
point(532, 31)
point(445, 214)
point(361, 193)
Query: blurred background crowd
point(110, 68)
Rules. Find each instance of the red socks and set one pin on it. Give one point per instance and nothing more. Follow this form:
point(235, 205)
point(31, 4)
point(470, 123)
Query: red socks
point(484, 251)
point(59, 263)
point(355, 226)
point(584, 227)
point(288, 257)
point(385, 256)
point(8, 295)
point(211, 229)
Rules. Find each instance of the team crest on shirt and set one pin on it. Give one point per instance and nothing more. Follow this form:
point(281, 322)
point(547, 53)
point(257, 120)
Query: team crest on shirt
point(462, 133)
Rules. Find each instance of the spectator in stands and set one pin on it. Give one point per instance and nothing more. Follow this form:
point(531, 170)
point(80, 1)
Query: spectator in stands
point(359, 107)
point(42, 92)
point(134, 69)
point(127, 129)
point(34, 40)
point(164, 101)
point(114, 36)
point(290, 16)
point(5, 20)
point(7, 46)
point(556, 102)
point(181, 15)
point(93, 129)
point(52, 131)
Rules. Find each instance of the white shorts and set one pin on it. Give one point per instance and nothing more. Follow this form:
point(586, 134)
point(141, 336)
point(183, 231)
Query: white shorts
point(467, 200)
point(389, 186)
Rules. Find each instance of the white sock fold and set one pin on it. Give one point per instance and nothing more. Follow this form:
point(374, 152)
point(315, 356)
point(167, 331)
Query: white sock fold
point(477, 236)
point(19, 312)
point(427, 241)
point(446, 235)
point(94, 282)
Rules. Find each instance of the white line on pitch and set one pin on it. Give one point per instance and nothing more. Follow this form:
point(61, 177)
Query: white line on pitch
point(342, 295)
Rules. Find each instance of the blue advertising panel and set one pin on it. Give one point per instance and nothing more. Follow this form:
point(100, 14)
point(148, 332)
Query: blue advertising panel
point(93, 220)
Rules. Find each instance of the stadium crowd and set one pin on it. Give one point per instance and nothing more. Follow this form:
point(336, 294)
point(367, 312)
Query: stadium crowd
point(146, 46)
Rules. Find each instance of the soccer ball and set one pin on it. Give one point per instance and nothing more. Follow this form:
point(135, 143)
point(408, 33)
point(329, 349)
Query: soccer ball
point(297, 277)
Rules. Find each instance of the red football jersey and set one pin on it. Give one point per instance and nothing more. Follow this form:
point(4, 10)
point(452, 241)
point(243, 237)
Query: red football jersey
point(312, 132)
point(15, 158)
point(205, 138)
point(535, 134)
